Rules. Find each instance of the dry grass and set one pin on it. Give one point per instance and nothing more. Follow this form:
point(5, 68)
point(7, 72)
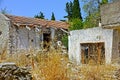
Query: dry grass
point(54, 66)
point(98, 72)
point(50, 66)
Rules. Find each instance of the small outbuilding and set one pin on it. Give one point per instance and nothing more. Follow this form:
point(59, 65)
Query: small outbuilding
point(94, 44)
point(99, 44)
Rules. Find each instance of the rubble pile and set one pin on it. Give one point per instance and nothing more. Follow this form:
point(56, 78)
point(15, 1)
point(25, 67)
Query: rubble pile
point(117, 74)
point(9, 71)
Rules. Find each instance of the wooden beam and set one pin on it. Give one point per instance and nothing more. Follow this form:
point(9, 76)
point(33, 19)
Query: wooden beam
point(83, 56)
point(99, 53)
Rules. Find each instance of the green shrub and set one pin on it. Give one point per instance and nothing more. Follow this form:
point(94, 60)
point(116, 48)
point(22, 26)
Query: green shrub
point(65, 41)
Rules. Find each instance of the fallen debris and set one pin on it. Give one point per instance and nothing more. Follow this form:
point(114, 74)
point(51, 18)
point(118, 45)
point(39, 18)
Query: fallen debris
point(9, 71)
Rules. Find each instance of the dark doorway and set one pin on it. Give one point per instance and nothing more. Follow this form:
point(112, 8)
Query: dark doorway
point(92, 52)
point(46, 39)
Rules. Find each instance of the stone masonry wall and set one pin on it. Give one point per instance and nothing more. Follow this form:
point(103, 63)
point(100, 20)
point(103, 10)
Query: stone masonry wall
point(116, 44)
point(110, 14)
point(4, 32)
point(24, 39)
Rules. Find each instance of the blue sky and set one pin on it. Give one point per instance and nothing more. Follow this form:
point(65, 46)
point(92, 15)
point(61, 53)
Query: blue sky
point(29, 8)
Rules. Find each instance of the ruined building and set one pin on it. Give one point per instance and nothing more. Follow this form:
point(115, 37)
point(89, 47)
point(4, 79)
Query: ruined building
point(99, 44)
point(23, 33)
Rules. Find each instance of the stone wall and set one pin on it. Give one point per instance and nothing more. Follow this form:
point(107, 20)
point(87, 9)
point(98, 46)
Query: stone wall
point(4, 32)
point(24, 39)
point(116, 44)
point(116, 41)
point(91, 35)
point(110, 15)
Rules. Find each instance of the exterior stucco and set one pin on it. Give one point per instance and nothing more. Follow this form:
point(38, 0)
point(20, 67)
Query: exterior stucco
point(91, 35)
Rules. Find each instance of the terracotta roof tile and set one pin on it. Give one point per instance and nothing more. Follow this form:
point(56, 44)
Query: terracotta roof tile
point(36, 21)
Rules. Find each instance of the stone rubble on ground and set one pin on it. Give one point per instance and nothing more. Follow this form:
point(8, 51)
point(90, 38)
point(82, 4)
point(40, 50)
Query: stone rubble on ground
point(117, 74)
point(9, 71)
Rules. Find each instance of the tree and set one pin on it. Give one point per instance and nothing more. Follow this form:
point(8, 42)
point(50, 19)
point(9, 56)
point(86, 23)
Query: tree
point(40, 15)
point(74, 17)
point(76, 13)
point(91, 20)
point(52, 17)
point(73, 10)
point(104, 2)
point(76, 24)
point(92, 9)
point(69, 9)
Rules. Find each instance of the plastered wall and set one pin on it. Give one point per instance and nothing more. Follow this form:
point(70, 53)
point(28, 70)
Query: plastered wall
point(91, 35)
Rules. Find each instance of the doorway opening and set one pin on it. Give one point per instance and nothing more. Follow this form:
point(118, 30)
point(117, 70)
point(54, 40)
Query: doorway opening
point(92, 53)
point(46, 40)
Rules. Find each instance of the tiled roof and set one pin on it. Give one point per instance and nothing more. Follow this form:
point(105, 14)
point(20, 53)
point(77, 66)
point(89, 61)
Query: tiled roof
point(36, 21)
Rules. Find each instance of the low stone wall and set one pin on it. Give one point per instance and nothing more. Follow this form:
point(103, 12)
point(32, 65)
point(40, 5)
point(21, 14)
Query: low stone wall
point(9, 71)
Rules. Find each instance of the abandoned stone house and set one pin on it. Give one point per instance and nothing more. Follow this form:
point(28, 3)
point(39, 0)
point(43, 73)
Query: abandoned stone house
point(99, 44)
point(23, 33)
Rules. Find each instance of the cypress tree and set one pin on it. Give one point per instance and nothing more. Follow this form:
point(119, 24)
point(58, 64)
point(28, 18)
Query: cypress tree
point(53, 16)
point(69, 6)
point(76, 10)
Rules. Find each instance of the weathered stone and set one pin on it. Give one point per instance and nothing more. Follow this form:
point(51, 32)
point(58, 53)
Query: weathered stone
point(117, 74)
point(9, 71)
point(110, 15)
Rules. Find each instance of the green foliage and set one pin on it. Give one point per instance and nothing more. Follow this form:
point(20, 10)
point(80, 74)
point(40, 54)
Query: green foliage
point(73, 10)
point(104, 2)
point(65, 41)
point(92, 9)
point(76, 24)
point(76, 10)
point(53, 16)
point(40, 15)
point(69, 6)
point(92, 20)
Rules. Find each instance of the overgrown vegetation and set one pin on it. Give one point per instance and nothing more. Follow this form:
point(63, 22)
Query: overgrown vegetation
point(55, 66)
point(65, 40)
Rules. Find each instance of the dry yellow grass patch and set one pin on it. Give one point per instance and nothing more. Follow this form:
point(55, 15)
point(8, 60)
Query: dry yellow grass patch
point(50, 66)
point(55, 66)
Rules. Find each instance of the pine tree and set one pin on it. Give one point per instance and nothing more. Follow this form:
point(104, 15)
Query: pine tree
point(53, 16)
point(40, 15)
point(76, 10)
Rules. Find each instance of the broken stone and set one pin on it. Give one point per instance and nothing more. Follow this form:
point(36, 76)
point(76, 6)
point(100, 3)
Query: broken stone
point(9, 71)
point(117, 74)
